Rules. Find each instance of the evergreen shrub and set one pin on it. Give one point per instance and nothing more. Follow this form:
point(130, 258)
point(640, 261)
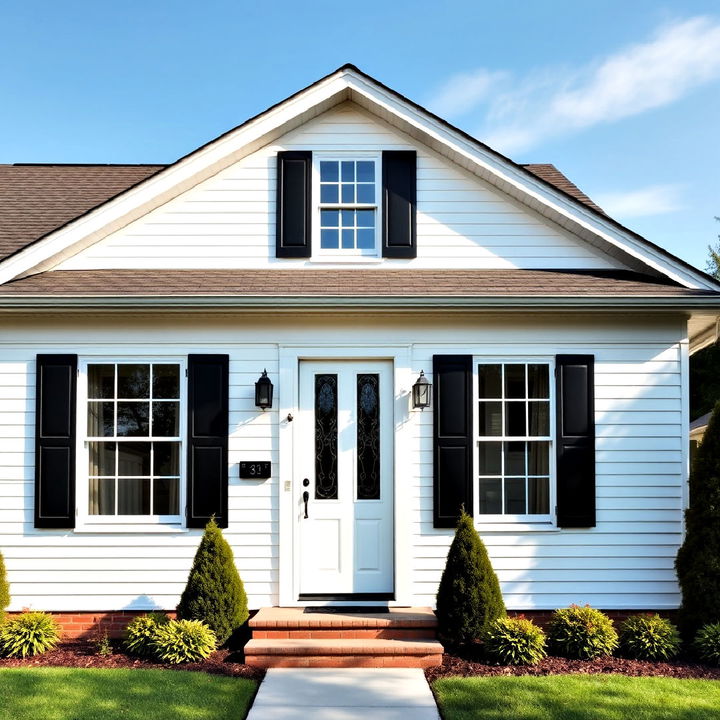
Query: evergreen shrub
point(649, 637)
point(4, 589)
point(180, 641)
point(698, 560)
point(707, 643)
point(214, 592)
point(514, 641)
point(582, 633)
point(469, 596)
point(30, 633)
point(140, 633)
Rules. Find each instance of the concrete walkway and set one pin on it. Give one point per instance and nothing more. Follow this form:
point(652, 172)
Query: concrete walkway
point(344, 694)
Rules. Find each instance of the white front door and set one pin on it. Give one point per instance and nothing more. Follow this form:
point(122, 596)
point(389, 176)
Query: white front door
point(344, 477)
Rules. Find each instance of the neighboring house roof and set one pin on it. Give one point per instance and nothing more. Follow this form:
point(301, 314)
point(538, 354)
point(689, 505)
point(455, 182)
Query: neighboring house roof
point(36, 199)
point(699, 424)
point(532, 188)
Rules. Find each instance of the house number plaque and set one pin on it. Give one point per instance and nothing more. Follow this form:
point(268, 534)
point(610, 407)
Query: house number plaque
point(255, 470)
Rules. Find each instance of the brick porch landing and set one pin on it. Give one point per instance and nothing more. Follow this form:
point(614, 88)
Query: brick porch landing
point(290, 637)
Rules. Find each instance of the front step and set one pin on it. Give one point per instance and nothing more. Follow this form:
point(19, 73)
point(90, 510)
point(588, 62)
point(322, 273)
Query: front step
point(291, 637)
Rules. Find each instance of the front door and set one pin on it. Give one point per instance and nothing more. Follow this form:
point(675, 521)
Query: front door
point(344, 478)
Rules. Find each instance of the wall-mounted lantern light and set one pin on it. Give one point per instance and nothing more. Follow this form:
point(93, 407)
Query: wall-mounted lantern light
point(421, 392)
point(264, 392)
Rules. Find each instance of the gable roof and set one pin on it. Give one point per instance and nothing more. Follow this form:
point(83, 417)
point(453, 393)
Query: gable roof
point(36, 199)
point(349, 83)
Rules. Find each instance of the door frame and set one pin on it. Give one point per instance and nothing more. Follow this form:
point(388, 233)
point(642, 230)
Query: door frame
point(288, 404)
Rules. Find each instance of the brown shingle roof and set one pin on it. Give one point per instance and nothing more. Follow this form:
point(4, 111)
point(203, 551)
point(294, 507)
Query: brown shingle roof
point(343, 283)
point(35, 199)
point(549, 173)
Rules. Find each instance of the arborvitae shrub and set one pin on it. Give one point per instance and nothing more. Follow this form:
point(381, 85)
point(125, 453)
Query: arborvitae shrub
point(30, 633)
point(514, 641)
point(214, 592)
point(707, 643)
point(698, 560)
point(469, 596)
point(182, 641)
point(581, 632)
point(140, 633)
point(4, 589)
point(649, 637)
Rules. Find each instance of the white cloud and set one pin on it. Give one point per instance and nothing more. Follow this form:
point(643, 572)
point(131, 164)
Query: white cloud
point(463, 92)
point(554, 101)
point(651, 200)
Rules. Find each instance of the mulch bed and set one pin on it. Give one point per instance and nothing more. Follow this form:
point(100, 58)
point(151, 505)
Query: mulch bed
point(469, 665)
point(84, 655)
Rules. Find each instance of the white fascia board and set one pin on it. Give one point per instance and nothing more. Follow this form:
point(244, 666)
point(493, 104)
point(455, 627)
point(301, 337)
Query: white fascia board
point(167, 183)
point(508, 175)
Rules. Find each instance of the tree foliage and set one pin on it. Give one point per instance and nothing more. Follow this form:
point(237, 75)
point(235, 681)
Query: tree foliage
point(698, 560)
point(214, 592)
point(469, 596)
point(712, 266)
point(4, 589)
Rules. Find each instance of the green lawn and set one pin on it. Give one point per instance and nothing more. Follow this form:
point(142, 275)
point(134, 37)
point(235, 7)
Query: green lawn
point(578, 697)
point(77, 694)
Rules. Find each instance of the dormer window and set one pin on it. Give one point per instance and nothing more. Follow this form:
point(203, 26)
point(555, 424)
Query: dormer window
point(348, 205)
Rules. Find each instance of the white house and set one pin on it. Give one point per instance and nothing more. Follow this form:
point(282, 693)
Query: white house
point(346, 241)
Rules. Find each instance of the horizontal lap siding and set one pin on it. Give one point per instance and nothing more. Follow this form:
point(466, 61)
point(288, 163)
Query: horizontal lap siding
point(228, 221)
point(625, 562)
point(61, 570)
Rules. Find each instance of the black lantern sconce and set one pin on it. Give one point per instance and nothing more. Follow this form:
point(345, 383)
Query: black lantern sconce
point(264, 392)
point(421, 392)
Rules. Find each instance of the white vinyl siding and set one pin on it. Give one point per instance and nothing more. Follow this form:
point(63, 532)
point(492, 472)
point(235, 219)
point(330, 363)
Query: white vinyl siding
point(625, 562)
point(228, 221)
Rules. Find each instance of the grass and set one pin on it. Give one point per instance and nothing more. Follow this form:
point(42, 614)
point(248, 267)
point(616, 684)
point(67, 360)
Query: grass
point(79, 694)
point(577, 697)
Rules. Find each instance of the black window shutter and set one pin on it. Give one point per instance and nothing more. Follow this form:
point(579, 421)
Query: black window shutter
point(55, 436)
point(293, 204)
point(207, 469)
point(399, 200)
point(453, 438)
point(575, 441)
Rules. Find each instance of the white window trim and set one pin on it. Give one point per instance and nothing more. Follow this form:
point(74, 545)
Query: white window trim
point(514, 523)
point(319, 254)
point(84, 522)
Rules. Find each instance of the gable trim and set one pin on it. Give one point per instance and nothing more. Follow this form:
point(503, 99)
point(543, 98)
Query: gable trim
point(348, 82)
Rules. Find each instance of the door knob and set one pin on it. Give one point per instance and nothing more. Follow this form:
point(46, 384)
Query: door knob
point(306, 497)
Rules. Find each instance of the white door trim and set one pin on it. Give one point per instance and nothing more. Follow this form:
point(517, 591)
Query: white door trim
point(289, 367)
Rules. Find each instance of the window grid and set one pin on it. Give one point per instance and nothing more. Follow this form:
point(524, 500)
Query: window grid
point(115, 439)
point(348, 205)
point(504, 439)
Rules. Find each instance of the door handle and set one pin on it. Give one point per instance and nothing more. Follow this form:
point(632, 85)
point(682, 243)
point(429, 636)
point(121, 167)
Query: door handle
point(306, 497)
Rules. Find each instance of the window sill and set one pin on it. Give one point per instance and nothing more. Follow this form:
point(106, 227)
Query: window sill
point(125, 529)
point(344, 260)
point(515, 527)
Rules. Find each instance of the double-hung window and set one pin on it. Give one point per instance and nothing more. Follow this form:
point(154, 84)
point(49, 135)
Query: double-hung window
point(514, 440)
point(347, 190)
point(133, 418)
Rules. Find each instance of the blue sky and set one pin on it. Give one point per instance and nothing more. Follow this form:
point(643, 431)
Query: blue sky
point(624, 97)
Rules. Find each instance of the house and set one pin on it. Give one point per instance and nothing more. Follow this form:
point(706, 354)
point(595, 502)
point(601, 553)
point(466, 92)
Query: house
point(345, 245)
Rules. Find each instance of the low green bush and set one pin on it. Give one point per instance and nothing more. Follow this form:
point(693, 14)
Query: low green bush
point(31, 633)
point(581, 632)
point(4, 589)
point(649, 637)
point(182, 641)
point(514, 641)
point(707, 643)
point(140, 632)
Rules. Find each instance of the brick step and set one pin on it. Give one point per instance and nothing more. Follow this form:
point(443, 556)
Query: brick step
point(296, 620)
point(343, 653)
point(321, 633)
